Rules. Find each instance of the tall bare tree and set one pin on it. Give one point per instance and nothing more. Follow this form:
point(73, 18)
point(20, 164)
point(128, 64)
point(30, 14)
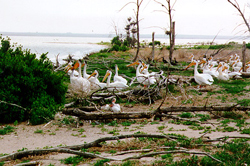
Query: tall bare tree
point(138, 5)
point(237, 6)
point(171, 33)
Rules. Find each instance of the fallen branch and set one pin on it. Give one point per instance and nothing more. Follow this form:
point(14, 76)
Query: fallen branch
point(147, 150)
point(74, 148)
point(106, 115)
point(31, 163)
point(26, 153)
point(201, 108)
point(173, 151)
point(84, 115)
point(225, 138)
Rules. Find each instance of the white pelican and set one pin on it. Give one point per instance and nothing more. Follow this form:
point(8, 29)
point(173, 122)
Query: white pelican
point(73, 79)
point(115, 107)
point(192, 57)
point(85, 75)
point(105, 107)
point(231, 60)
point(222, 75)
point(79, 84)
point(95, 83)
point(112, 107)
point(233, 74)
point(201, 79)
point(210, 61)
point(83, 83)
point(144, 79)
point(117, 77)
point(207, 69)
point(236, 66)
point(70, 70)
point(114, 85)
point(156, 75)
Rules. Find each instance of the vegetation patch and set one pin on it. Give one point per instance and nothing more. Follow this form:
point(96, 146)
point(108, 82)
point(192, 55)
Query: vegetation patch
point(7, 129)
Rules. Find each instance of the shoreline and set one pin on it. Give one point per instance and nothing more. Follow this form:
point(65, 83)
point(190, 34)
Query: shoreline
point(180, 38)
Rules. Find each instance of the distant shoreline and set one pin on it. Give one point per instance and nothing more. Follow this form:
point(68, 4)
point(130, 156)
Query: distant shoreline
point(178, 36)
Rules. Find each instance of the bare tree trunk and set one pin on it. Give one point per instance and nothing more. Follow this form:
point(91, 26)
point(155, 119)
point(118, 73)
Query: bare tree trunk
point(137, 27)
point(244, 56)
point(153, 46)
point(172, 41)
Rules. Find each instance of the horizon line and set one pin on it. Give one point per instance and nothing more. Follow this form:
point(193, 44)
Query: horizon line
point(111, 35)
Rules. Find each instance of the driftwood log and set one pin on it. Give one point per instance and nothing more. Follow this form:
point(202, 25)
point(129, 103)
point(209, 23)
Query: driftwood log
point(85, 115)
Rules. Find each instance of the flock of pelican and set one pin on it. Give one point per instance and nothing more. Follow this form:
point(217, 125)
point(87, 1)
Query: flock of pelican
point(212, 69)
point(85, 82)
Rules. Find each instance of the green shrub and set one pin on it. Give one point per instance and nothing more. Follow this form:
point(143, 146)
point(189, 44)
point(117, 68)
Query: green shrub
point(155, 42)
point(29, 87)
point(186, 115)
point(248, 45)
point(101, 162)
point(118, 44)
point(75, 160)
point(5, 130)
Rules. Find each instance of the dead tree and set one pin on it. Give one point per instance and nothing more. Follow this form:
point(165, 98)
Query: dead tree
point(153, 46)
point(171, 33)
point(138, 5)
point(237, 6)
point(244, 56)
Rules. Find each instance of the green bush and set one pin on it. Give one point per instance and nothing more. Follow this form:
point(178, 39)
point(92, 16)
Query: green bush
point(155, 42)
point(30, 84)
point(248, 45)
point(118, 44)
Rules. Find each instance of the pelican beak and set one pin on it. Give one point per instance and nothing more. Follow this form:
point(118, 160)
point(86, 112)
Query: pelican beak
point(248, 63)
point(76, 65)
point(224, 68)
point(132, 64)
point(218, 67)
point(191, 56)
point(94, 73)
point(202, 61)
point(67, 67)
point(143, 68)
point(106, 76)
point(191, 64)
point(82, 65)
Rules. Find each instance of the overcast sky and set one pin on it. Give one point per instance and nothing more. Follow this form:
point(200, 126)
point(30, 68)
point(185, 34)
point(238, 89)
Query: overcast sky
point(193, 17)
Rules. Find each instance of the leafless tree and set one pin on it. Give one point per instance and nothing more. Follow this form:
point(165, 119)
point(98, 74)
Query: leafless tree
point(168, 8)
point(115, 28)
point(237, 6)
point(138, 5)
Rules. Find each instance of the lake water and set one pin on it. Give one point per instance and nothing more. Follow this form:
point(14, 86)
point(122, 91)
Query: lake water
point(79, 45)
